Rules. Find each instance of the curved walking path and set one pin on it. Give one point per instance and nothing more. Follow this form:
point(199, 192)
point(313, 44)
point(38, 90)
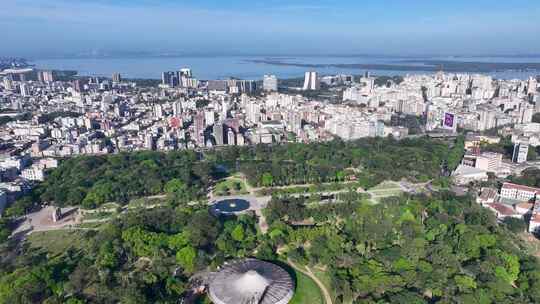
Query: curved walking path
point(309, 273)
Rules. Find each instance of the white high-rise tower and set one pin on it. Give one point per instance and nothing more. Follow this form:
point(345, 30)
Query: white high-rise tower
point(311, 81)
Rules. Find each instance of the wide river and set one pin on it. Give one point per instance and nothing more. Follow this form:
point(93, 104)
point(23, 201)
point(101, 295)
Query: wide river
point(221, 67)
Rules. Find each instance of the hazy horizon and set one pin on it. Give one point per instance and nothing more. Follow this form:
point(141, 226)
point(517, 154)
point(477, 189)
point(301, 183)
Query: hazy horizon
point(40, 29)
point(104, 54)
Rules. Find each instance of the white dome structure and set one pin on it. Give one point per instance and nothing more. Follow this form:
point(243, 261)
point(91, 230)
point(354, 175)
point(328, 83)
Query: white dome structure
point(251, 281)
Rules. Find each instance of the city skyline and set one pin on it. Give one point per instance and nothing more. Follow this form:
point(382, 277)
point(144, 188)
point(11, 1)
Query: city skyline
point(54, 28)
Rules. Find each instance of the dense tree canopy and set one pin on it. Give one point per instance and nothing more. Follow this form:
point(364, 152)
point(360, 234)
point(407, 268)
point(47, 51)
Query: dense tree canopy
point(439, 249)
point(145, 257)
point(94, 180)
point(376, 159)
point(411, 250)
point(91, 181)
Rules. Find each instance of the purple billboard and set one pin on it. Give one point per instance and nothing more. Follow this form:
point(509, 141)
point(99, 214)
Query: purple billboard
point(449, 120)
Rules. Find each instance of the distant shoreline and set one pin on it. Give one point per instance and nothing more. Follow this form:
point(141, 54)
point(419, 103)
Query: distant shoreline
point(423, 66)
point(246, 67)
point(280, 56)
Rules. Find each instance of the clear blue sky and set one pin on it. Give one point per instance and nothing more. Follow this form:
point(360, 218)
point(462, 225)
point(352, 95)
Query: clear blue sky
point(408, 27)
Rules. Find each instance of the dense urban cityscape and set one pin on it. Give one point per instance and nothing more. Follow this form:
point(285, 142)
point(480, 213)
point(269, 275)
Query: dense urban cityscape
point(46, 118)
point(49, 116)
point(269, 152)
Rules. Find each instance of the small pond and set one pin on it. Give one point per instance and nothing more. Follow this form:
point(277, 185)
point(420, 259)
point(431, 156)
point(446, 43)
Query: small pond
point(231, 206)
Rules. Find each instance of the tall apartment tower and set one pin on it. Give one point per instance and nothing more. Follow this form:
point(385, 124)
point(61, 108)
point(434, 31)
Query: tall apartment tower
point(177, 108)
point(521, 151)
point(532, 84)
point(169, 78)
point(186, 72)
point(199, 127)
point(270, 83)
point(311, 81)
point(45, 76)
point(25, 90)
point(218, 133)
point(116, 78)
point(8, 84)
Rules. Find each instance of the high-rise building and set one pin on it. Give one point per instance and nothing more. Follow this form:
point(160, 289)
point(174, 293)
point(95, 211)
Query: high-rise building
point(532, 85)
point(270, 83)
point(77, 85)
point(8, 84)
point(239, 139)
point(224, 110)
point(3, 201)
point(116, 78)
point(185, 78)
point(209, 117)
point(311, 81)
point(521, 151)
point(199, 127)
point(45, 76)
point(217, 85)
point(237, 86)
point(218, 133)
point(489, 161)
point(170, 79)
point(186, 72)
point(158, 111)
point(231, 138)
point(247, 86)
point(25, 90)
point(149, 141)
point(253, 111)
point(165, 78)
point(177, 108)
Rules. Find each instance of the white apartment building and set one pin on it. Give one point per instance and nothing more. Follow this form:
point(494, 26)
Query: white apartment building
point(270, 83)
point(489, 161)
point(519, 192)
point(34, 173)
point(311, 81)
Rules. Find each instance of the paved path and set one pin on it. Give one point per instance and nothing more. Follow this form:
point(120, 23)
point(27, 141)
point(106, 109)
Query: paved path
point(299, 185)
point(263, 225)
point(309, 273)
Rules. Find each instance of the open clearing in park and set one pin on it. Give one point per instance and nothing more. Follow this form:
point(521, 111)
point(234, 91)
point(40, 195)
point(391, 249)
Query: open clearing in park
point(383, 190)
point(57, 241)
point(307, 291)
point(386, 185)
point(230, 186)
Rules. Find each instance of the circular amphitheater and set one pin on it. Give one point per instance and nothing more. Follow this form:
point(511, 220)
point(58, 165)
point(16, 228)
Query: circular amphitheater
point(251, 281)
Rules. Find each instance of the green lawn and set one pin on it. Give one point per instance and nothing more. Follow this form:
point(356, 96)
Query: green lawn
point(386, 193)
point(94, 225)
point(109, 206)
point(57, 241)
point(144, 201)
point(230, 186)
point(386, 185)
point(307, 291)
point(325, 278)
point(99, 215)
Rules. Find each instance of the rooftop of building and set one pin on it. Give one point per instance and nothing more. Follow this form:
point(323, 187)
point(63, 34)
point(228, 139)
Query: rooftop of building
point(502, 209)
point(251, 281)
point(508, 185)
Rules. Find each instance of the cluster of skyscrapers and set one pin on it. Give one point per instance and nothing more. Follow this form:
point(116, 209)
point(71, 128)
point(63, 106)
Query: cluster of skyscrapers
point(182, 78)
